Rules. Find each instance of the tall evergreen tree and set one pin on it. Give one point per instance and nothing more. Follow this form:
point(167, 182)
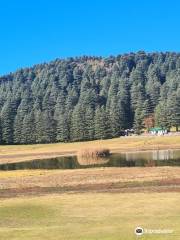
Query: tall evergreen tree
point(101, 120)
point(173, 105)
point(7, 120)
point(78, 130)
point(89, 123)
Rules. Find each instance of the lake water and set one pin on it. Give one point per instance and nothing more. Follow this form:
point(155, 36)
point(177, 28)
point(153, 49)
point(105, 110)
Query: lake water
point(128, 159)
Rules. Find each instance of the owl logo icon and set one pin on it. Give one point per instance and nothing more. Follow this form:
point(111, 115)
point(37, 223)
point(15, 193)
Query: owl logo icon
point(139, 231)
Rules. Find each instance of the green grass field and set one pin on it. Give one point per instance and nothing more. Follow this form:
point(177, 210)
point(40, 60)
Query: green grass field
point(90, 216)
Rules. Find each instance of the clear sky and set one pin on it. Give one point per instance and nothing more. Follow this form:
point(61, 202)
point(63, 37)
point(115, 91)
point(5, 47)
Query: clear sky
point(37, 31)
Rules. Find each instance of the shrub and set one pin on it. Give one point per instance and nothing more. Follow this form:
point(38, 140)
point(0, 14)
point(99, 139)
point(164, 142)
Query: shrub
point(93, 156)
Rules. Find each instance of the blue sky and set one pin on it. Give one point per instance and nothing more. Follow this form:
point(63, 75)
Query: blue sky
point(39, 31)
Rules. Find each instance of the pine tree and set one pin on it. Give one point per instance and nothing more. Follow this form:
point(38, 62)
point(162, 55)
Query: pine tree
point(48, 127)
point(114, 117)
point(102, 130)
point(173, 105)
point(62, 128)
point(78, 130)
point(20, 115)
point(89, 123)
point(138, 120)
point(7, 119)
point(161, 115)
point(28, 129)
point(153, 85)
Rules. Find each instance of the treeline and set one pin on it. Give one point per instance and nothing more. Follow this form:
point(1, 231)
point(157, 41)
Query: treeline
point(89, 98)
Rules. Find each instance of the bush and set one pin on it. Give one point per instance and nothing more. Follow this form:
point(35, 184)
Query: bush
point(93, 156)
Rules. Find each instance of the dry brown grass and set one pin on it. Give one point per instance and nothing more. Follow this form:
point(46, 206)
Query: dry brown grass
point(91, 156)
point(16, 153)
point(80, 178)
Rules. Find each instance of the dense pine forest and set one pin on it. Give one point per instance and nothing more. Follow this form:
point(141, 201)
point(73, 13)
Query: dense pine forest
point(90, 98)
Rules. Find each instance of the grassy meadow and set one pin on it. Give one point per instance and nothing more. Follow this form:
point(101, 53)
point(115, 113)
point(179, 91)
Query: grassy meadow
point(15, 153)
point(89, 204)
point(98, 179)
point(90, 216)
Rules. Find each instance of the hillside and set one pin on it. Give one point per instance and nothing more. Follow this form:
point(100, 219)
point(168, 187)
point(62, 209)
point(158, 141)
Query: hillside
point(89, 98)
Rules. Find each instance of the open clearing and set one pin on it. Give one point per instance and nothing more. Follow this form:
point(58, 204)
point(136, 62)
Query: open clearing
point(89, 216)
point(16, 153)
point(89, 204)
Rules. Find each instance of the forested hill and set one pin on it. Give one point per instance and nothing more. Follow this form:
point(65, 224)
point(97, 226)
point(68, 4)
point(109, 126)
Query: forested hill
point(89, 98)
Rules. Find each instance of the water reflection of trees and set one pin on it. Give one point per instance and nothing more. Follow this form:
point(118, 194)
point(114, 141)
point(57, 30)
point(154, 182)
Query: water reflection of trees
point(162, 154)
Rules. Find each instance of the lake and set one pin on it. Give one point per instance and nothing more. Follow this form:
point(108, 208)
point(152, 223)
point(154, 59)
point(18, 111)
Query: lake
point(128, 159)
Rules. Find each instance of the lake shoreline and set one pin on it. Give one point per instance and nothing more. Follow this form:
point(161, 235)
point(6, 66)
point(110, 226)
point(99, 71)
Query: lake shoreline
point(19, 153)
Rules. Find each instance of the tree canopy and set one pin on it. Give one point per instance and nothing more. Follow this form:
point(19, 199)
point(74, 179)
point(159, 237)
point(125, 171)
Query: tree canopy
point(87, 98)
